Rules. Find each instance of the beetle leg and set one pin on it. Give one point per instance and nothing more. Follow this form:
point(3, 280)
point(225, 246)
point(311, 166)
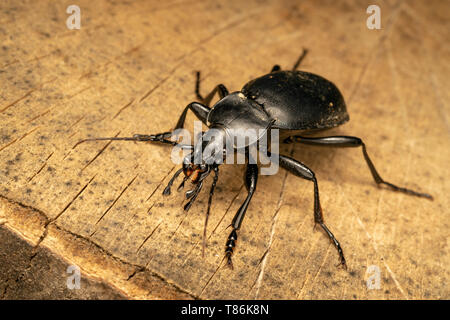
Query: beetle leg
point(211, 194)
point(300, 59)
point(201, 111)
point(348, 141)
point(167, 191)
point(250, 179)
point(192, 195)
point(299, 169)
point(198, 109)
point(221, 89)
point(275, 68)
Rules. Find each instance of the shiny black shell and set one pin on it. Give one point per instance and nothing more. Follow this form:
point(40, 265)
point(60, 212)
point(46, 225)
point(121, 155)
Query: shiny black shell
point(298, 100)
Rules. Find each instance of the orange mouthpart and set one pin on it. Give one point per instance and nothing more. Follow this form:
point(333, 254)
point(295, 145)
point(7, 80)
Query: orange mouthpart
point(194, 173)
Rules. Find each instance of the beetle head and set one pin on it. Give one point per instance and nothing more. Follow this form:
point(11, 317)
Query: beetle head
point(208, 152)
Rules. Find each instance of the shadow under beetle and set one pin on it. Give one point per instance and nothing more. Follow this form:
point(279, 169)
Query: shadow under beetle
point(295, 102)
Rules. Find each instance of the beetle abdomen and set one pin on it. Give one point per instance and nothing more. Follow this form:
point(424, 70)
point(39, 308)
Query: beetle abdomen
point(298, 100)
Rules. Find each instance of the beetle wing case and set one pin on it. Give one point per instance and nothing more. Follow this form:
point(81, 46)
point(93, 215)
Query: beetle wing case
point(298, 100)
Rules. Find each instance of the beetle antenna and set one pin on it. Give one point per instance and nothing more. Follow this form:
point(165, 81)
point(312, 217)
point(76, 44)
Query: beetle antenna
point(137, 137)
point(211, 193)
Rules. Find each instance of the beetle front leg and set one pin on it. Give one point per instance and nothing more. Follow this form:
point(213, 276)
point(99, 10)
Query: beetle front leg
point(250, 179)
point(200, 111)
point(299, 169)
point(352, 142)
point(220, 88)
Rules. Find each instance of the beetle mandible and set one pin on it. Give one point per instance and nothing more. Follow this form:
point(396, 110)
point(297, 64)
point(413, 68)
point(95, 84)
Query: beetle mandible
point(295, 102)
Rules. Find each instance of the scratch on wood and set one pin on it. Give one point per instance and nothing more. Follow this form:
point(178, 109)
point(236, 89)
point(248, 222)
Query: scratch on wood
point(42, 167)
point(28, 133)
point(39, 115)
point(18, 100)
point(10, 63)
point(91, 73)
point(27, 94)
point(171, 72)
point(99, 153)
point(134, 49)
point(8, 144)
point(78, 92)
point(215, 34)
point(212, 276)
point(149, 236)
point(76, 122)
point(18, 139)
point(123, 108)
point(31, 60)
point(76, 196)
point(114, 202)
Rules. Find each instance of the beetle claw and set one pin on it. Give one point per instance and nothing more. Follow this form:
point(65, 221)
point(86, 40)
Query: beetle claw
point(166, 191)
point(181, 186)
point(342, 264)
point(190, 193)
point(229, 260)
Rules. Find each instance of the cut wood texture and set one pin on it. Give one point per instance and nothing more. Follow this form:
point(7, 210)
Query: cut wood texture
point(130, 68)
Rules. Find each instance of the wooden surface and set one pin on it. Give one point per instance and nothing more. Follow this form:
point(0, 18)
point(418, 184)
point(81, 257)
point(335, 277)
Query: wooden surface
point(131, 69)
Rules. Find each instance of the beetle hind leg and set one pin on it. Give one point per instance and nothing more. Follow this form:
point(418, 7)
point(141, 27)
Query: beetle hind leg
point(352, 142)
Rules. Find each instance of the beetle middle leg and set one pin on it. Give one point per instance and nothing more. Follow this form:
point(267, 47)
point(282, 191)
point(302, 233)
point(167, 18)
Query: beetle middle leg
point(300, 170)
point(220, 88)
point(277, 67)
point(250, 179)
point(352, 142)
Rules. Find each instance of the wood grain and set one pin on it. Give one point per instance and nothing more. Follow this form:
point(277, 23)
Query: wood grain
point(131, 69)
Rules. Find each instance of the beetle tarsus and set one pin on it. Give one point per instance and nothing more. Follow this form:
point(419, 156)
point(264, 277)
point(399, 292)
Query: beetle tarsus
point(407, 191)
point(229, 260)
point(166, 191)
point(336, 244)
point(229, 247)
point(193, 195)
point(342, 263)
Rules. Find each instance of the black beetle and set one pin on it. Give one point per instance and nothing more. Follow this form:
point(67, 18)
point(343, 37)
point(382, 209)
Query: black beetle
point(294, 102)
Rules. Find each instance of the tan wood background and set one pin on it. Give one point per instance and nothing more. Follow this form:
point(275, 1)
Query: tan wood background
point(131, 69)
